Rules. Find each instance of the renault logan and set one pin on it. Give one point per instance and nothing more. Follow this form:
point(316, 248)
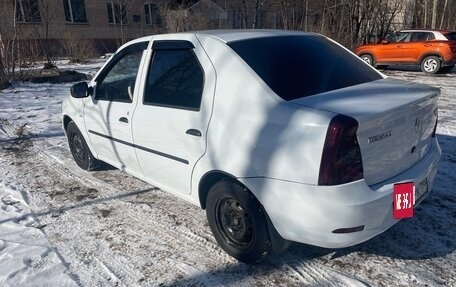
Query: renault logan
point(280, 136)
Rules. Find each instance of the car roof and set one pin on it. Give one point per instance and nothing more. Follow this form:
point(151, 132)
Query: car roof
point(227, 36)
point(437, 33)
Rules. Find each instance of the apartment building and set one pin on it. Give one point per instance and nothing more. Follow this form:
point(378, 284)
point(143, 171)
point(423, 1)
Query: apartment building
point(107, 23)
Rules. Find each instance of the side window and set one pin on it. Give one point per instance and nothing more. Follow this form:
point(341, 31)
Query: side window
point(175, 79)
point(118, 83)
point(421, 36)
point(429, 36)
point(398, 37)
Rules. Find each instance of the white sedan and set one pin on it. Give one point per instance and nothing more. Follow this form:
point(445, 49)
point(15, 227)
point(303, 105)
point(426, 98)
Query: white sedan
point(281, 136)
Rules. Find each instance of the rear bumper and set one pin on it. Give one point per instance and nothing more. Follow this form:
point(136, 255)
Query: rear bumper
point(309, 214)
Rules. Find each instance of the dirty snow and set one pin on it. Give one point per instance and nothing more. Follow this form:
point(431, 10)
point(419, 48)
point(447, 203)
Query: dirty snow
point(61, 226)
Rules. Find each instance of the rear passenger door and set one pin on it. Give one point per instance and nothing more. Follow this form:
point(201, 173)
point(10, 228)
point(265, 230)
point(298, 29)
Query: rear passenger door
point(171, 120)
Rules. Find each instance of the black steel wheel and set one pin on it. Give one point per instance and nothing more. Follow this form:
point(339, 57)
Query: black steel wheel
point(79, 149)
point(237, 221)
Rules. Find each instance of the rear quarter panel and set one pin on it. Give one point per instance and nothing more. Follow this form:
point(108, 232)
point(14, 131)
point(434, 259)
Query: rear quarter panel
point(254, 133)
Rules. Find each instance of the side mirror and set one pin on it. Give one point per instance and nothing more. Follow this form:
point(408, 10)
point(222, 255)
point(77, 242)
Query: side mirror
point(384, 41)
point(80, 90)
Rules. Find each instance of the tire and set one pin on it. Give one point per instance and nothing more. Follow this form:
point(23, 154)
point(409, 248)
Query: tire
point(79, 149)
point(431, 65)
point(237, 221)
point(367, 58)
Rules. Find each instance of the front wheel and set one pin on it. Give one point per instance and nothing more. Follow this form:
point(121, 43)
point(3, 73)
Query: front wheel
point(79, 149)
point(367, 58)
point(431, 65)
point(237, 221)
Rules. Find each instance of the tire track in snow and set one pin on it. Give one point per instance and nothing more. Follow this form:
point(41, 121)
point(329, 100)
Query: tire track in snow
point(24, 250)
point(172, 232)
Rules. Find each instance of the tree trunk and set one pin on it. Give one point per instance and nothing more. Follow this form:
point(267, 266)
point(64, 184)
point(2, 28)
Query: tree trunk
point(434, 14)
point(255, 14)
point(425, 13)
point(443, 13)
point(306, 15)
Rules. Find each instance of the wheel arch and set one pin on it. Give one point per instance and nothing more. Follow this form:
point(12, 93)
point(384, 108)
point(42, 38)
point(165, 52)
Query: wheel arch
point(208, 180)
point(424, 56)
point(279, 244)
point(66, 120)
point(374, 59)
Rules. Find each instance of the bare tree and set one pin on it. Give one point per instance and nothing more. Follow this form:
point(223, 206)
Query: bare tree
point(443, 13)
point(434, 14)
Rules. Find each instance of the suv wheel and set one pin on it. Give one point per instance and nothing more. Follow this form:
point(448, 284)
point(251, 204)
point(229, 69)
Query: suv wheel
point(367, 58)
point(431, 65)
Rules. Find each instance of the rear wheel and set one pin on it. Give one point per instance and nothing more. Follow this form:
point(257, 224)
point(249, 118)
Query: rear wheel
point(431, 65)
point(237, 221)
point(79, 149)
point(368, 59)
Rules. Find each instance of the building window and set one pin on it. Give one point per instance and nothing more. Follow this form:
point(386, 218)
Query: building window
point(152, 14)
point(75, 11)
point(28, 11)
point(117, 12)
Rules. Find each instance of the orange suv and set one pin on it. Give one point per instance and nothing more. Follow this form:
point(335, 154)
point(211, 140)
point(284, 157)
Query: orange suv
point(433, 50)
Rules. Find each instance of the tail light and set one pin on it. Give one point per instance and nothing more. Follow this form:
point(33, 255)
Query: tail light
point(341, 160)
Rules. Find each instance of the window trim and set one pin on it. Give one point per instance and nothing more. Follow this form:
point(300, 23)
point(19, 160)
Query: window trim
point(177, 46)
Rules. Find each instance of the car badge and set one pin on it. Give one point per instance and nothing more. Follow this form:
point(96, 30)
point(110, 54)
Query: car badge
point(380, 137)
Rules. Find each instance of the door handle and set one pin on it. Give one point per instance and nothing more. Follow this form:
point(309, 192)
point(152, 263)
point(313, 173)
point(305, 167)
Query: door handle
point(427, 45)
point(123, 120)
point(193, 132)
point(399, 46)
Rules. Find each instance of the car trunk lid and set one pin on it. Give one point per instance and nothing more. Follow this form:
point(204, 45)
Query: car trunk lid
point(396, 122)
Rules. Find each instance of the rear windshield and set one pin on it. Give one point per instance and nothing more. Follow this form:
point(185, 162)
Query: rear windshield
point(451, 36)
point(299, 66)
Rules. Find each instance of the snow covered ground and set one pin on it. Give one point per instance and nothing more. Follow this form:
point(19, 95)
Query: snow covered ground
point(61, 226)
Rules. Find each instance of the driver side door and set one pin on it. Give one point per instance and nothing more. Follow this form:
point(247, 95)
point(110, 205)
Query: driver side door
point(108, 112)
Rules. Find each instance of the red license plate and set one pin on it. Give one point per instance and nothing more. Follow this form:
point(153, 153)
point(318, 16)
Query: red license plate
point(404, 199)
